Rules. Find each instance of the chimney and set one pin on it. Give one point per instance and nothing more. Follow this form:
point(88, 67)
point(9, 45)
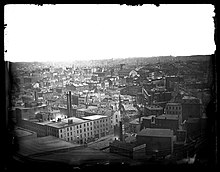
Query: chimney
point(35, 96)
point(120, 131)
point(69, 104)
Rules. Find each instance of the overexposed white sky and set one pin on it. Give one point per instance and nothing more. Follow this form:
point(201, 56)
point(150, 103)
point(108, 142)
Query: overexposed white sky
point(81, 32)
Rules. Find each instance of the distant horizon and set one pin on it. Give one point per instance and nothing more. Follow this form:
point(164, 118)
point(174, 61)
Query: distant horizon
point(85, 60)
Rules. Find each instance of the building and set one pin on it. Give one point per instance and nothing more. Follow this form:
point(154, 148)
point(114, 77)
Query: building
point(164, 121)
point(158, 141)
point(174, 109)
point(191, 107)
point(102, 124)
point(29, 112)
point(72, 129)
point(153, 110)
point(170, 82)
point(193, 127)
point(134, 126)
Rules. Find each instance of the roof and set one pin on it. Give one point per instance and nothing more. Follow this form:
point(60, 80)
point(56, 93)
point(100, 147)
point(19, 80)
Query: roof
point(130, 107)
point(168, 116)
point(23, 132)
point(156, 132)
point(42, 144)
point(192, 120)
point(94, 117)
point(172, 103)
point(190, 100)
point(153, 107)
point(64, 122)
point(148, 117)
point(85, 156)
point(136, 121)
point(123, 145)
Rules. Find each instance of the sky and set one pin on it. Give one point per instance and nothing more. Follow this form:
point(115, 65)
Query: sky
point(90, 32)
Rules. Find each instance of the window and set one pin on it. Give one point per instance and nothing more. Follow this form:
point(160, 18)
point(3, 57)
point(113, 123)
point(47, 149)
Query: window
point(87, 124)
point(67, 134)
point(106, 120)
point(88, 134)
point(77, 126)
point(80, 131)
point(77, 131)
point(61, 131)
point(80, 126)
point(103, 125)
point(68, 139)
point(90, 123)
point(61, 136)
point(94, 127)
point(91, 133)
point(90, 128)
point(67, 129)
point(84, 125)
point(71, 133)
point(85, 134)
point(84, 130)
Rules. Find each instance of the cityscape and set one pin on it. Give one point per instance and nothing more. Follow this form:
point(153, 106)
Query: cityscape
point(129, 112)
point(110, 87)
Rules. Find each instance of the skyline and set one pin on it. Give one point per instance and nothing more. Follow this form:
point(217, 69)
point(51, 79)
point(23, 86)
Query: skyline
point(95, 32)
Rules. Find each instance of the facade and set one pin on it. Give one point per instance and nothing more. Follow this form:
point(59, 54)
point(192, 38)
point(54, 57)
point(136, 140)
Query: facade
point(191, 107)
point(72, 129)
point(158, 141)
point(174, 109)
point(102, 125)
point(161, 122)
point(134, 126)
point(29, 112)
point(153, 110)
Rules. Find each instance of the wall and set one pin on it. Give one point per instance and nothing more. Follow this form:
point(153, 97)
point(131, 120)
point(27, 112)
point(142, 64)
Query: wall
point(162, 144)
point(190, 110)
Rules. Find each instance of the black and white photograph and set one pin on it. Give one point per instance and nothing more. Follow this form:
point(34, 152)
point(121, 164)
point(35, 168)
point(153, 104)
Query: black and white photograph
point(110, 86)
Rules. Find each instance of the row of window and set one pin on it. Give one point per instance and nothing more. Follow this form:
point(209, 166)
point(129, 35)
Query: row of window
point(101, 120)
point(80, 136)
point(174, 107)
point(173, 112)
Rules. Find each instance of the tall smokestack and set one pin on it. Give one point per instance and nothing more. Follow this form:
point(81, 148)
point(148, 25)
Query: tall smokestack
point(120, 131)
point(69, 104)
point(67, 97)
point(35, 96)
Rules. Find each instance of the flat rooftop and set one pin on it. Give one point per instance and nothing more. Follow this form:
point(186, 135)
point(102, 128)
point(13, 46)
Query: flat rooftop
point(148, 117)
point(156, 132)
point(42, 144)
point(168, 116)
point(155, 107)
point(171, 103)
point(20, 132)
point(64, 122)
point(94, 117)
